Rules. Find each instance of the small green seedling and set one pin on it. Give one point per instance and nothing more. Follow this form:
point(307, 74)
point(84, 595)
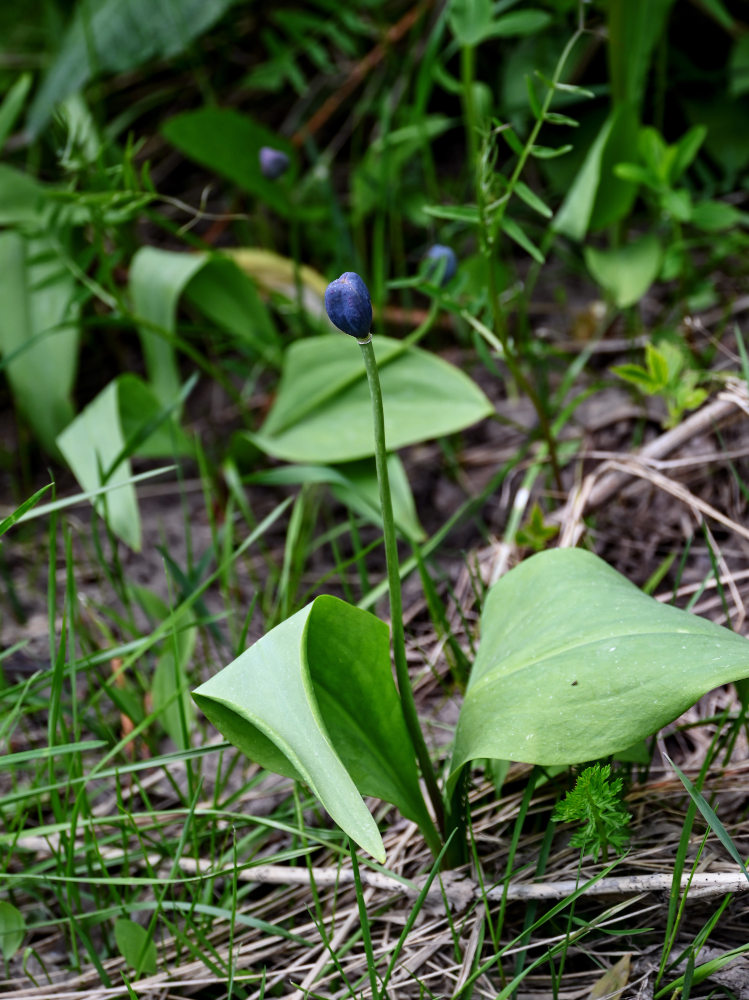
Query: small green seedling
point(595, 805)
point(666, 373)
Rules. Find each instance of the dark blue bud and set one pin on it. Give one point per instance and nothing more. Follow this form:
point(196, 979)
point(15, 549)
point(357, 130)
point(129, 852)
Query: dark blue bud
point(273, 162)
point(349, 306)
point(439, 253)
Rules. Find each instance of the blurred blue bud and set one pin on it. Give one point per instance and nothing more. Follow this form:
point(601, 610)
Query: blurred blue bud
point(273, 162)
point(349, 306)
point(439, 253)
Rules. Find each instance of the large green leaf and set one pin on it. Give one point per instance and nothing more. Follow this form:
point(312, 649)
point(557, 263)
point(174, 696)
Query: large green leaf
point(628, 271)
point(227, 296)
point(12, 929)
point(157, 280)
point(597, 196)
point(123, 419)
point(576, 663)
point(216, 285)
point(112, 36)
point(314, 699)
point(38, 331)
point(323, 411)
point(228, 143)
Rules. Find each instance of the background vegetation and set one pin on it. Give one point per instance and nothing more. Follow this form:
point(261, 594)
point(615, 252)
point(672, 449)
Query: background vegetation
point(186, 458)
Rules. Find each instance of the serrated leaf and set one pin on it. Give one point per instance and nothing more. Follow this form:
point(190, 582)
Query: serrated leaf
point(323, 411)
point(314, 699)
point(576, 663)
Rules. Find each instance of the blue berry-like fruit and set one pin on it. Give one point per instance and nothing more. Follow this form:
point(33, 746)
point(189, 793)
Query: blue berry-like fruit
point(273, 162)
point(349, 306)
point(439, 253)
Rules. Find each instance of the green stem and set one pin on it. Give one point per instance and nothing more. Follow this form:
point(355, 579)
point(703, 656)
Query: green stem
point(467, 74)
point(405, 689)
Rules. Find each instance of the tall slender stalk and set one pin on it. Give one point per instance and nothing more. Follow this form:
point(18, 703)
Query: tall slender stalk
point(396, 604)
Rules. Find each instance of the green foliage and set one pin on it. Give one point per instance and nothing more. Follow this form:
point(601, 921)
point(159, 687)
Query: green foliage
point(574, 662)
point(111, 36)
point(667, 373)
point(136, 947)
point(323, 412)
point(315, 699)
point(228, 143)
point(595, 805)
point(536, 532)
point(39, 333)
point(626, 272)
point(125, 418)
point(12, 929)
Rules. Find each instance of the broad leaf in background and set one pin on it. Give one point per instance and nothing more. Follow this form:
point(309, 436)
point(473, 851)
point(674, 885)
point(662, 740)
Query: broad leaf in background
point(12, 105)
point(323, 411)
point(216, 285)
point(113, 36)
point(576, 663)
point(123, 419)
point(314, 699)
point(135, 946)
point(12, 929)
point(157, 280)
point(226, 295)
point(626, 272)
point(598, 197)
point(355, 485)
point(277, 275)
point(634, 29)
point(228, 143)
point(470, 20)
point(39, 331)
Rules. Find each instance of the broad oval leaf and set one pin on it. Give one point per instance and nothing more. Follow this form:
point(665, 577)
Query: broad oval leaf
point(124, 419)
point(314, 699)
point(135, 945)
point(228, 143)
point(576, 663)
point(12, 929)
point(39, 331)
point(323, 411)
point(628, 271)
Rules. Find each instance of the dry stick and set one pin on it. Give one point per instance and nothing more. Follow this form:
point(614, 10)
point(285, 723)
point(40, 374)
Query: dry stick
point(460, 892)
point(601, 485)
